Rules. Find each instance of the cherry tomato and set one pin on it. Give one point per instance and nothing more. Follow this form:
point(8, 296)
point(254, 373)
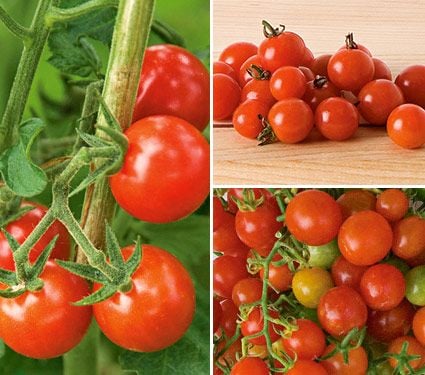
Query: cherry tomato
point(392, 204)
point(377, 99)
point(419, 325)
point(303, 367)
point(412, 82)
point(229, 357)
point(306, 342)
point(318, 90)
point(250, 366)
point(323, 256)
point(247, 118)
point(414, 348)
point(310, 284)
point(46, 324)
point(291, 120)
point(346, 273)
point(409, 237)
point(280, 277)
point(387, 325)
point(308, 58)
point(357, 362)
point(235, 194)
point(288, 82)
point(247, 290)
point(161, 287)
point(255, 323)
point(21, 228)
point(319, 66)
point(227, 271)
point(308, 74)
point(382, 287)
point(356, 200)
point(217, 314)
point(219, 214)
point(258, 89)
point(337, 119)
point(415, 285)
point(340, 310)
point(244, 75)
point(229, 317)
point(227, 95)
point(236, 54)
point(173, 82)
point(382, 70)
point(313, 217)
point(223, 68)
point(163, 151)
point(365, 238)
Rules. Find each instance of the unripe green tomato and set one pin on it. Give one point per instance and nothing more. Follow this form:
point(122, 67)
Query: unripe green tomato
point(323, 256)
point(415, 286)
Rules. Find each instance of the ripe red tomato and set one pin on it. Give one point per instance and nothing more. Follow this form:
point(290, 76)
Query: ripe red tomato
point(21, 228)
point(247, 118)
point(337, 119)
point(163, 152)
point(419, 325)
point(387, 325)
point(227, 271)
point(288, 82)
point(313, 217)
point(306, 342)
point(308, 58)
point(365, 238)
point(382, 70)
point(303, 367)
point(406, 126)
point(223, 68)
point(244, 75)
point(255, 323)
point(46, 324)
point(219, 214)
point(217, 314)
point(382, 287)
point(229, 317)
point(412, 82)
point(319, 66)
point(291, 120)
point(227, 95)
point(173, 82)
point(250, 366)
point(356, 200)
point(229, 357)
point(258, 89)
point(247, 290)
point(357, 362)
point(377, 99)
point(237, 194)
point(280, 277)
point(340, 310)
point(392, 204)
point(237, 53)
point(414, 348)
point(161, 287)
point(308, 74)
point(346, 273)
point(318, 90)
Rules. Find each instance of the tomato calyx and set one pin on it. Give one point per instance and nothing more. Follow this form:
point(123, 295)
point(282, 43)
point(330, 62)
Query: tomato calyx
point(249, 202)
point(403, 361)
point(319, 82)
point(258, 73)
point(349, 41)
point(269, 31)
point(267, 135)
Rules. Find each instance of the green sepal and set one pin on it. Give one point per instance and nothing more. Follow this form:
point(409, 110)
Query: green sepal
point(167, 33)
point(102, 294)
point(39, 264)
point(113, 248)
point(8, 277)
point(90, 139)
point(83, 270)
point(109, 116)
point(117, 136)
point(14, 245)
point(16, 215)
point(135, 258)
point(12, 292)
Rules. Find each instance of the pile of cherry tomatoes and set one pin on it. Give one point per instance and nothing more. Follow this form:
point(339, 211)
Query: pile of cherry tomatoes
point(280, 91)
point(318, 282)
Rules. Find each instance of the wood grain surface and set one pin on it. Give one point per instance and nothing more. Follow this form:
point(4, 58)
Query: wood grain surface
point(393, 30)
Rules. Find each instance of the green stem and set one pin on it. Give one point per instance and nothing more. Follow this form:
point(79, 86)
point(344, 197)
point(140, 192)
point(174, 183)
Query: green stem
point(14, 27)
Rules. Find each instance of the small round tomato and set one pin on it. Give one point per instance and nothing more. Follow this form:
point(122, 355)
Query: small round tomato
point(227, 271)
point(21, 228)
point(236, 54)
point(337, 119)
point(161, 286)
point(308, 74)
point(229, 317)
point(357, 362)
point(310, 284)
point(258, 89)
point(288, 82)
point(247, 118)
point(223, 68)
point(255, 323)
point(229, 357)
point(318, 90)
point(280, 277)
point(415, 285)
point(305, 342)
point(340, 310)
point(356, 200)
point(291, 120)
point(414, 348)
point(346, 273)
point(219, 213)
point(46, 324)
point(365, 238)
point(244, 74)
point(163, 151)
point(319, 66)
point(419, 325)
point(406, 126)
point(377, 99)
point(226, 96)
point(323, 256)
point(412, 82)
point(247, 290)
point(173, 82)
point(392, 204)
point(382, 70)
point(250, 366)
point(387, 325)
point(409, 237)
point(313, 217)
point(308, 58)
point(382, 287)
point(303, 367)
point(217, 314)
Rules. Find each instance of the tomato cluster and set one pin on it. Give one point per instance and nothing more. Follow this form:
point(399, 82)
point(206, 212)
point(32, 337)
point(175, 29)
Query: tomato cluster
point(338, 279)
point(279, 90)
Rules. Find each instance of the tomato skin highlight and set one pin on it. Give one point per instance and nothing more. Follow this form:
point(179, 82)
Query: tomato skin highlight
point(288, 82)
point(173, 82)
point(163, 151)
point(392, 204)
point(227, 271)
point(409, 237)
point(223, 68)
point(258, 90)
point(144, 319)
point(237, 53)
point(246, 120)
point(247, 290)
point(45, 324)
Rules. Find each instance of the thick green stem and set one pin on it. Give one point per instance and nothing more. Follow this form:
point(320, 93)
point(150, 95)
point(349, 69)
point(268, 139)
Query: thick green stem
point(14, 27)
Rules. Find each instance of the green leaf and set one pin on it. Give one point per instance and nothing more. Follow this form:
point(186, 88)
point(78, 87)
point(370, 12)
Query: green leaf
point(19, 173)
point(113, 248)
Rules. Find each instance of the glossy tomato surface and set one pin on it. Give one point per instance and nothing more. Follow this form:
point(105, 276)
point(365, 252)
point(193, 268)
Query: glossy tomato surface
point(227, 271)
point(250, 366)
point(357, 362)
point(392, 204)
point(226, 96)
point(411, 80)
point(226, 240)
point(356, 200)
point(247, 118)
point(237, 53)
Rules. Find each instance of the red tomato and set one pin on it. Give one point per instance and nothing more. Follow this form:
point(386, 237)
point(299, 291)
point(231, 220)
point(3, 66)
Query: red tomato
point(244, 75)
point(250, 366)
point(387, 325)
point(365, 238)
point(217, 314)
point(414, 348)
point(163, 152)
point(308, 74)
point(247, 290)
point(313, 217)
point(229, 357)
point(21, 228)
point(223, 68)
point(377, 99)
point(236, 54)
point(382, 287)
point(346, 273)
point(412, 82)
point(173, 82)
point(382, 70)
point(303, 367)
point(288, 82)
point(280, 277)
point(409, 237)
point(306, 342)
point(255, 323)
point(318, 90)
point(258, 89)
point(392, 204)
point(219, 214)
point(227, 271)
point(406, 126)
point(161, 288)
point(247, 118)
point(340, 310)
point(319, 66)
point(229, 317)
point(337, 119)
point(356, 200)
point(419, 325)
point(226, 97)
point(357, 362)
point(308, 58)
point(46, 324)
point(291, 120)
